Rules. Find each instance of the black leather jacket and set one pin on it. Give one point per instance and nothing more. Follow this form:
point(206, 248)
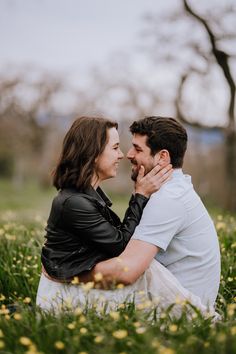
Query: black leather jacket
point(82, 230)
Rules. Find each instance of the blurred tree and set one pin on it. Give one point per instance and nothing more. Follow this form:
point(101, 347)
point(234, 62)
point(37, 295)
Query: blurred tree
point(26, 119)
point(198, 45)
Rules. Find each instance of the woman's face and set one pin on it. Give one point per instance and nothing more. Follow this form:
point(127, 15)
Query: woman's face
point(107, 162)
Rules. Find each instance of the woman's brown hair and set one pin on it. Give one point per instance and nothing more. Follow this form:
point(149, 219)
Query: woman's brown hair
point(83, 143)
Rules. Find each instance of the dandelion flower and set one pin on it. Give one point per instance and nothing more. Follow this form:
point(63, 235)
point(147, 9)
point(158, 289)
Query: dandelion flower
point(140, 330)
point(59, 345)
point(233, 331)
point(137, 324)
point(2, 344)
point(120, 334)
point(83, 330)
point(115, 315)
point(120, 286)
point(88, 286)
point(17, 316)
point(27, 300)
point(173, 328)
point(164, 350)
point(98, 276)
point(75, 281)
point(78, 311)
point(82, 319)
point(98, 339)
point(71, 325)
point(25, 341)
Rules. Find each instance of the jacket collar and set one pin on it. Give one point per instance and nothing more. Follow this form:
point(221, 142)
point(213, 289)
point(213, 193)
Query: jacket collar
point(99, 194)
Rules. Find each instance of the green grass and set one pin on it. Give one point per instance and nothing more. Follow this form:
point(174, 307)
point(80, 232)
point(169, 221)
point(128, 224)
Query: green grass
point(127, 330)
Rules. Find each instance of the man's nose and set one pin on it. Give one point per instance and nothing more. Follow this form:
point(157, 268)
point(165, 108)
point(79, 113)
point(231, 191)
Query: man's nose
point(130, 154)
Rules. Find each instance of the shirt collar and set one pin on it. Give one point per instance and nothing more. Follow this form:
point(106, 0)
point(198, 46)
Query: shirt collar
point(177, 172)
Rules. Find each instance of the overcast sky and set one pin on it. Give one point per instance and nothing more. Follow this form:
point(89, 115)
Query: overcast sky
point(70, 35)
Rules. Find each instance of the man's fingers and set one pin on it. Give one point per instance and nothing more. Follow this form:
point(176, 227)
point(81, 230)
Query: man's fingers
point(166, 176)
point(141, 172)
point(160, 169)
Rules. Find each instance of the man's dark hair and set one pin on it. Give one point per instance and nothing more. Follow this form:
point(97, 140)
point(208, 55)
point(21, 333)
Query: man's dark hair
point(163, 133)
point(83, 143)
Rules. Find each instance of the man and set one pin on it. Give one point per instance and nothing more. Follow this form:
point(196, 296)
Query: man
point(175, 227)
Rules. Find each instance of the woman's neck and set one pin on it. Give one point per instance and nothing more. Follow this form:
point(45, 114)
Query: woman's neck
point(95, 182)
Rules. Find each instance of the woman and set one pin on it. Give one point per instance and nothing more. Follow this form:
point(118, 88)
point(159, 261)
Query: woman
point(82, 230)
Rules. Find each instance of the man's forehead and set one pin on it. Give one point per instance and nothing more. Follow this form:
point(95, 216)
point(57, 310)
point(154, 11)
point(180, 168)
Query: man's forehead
point(139, 140)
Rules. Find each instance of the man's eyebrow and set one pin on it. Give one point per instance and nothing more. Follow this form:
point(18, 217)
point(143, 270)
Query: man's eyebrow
point(137, 146)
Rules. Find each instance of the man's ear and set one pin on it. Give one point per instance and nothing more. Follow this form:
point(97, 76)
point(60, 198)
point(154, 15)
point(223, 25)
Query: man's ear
point(163, 157)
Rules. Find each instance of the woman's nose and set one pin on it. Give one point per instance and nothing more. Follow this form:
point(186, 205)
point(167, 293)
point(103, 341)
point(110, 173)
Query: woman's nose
point(121, 155)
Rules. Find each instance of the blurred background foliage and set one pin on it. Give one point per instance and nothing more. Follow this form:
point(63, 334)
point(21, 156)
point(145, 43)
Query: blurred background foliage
point(190, 55)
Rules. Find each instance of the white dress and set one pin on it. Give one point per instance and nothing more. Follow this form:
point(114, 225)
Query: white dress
point(156, 287)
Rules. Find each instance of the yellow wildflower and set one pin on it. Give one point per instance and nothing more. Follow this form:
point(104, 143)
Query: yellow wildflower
point(27, 300)
point(4, 311)
point(231, 309)
point(115, 315)
point(78, 311)
point(88, 286)
point(98, 276)
point(120, 334)
point(71, 325)
point(173, 328)
point(75, 281)
point(233, 331)
point(221, 337)
point(137, 324)
point(83, 330)
point(25, 341)
point(140, 330)
point(98, 339)
point(82, 319)
point(17, 316)
point(155, 343)
point(120, 286)
point(59, 345)
point(164, 350)
point(2, 344)
point(2, 297)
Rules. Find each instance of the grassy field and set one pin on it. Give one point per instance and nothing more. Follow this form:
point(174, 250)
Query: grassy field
point(129, 329)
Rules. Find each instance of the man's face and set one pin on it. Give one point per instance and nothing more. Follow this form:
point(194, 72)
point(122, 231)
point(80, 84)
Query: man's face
point(140, 154)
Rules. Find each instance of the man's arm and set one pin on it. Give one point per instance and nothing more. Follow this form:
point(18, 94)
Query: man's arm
point(128, 267)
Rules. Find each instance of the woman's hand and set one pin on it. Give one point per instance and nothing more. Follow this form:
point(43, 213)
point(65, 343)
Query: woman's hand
point(153, 180)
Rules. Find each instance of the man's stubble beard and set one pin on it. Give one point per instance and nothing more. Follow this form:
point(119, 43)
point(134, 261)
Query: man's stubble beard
point(135, 172)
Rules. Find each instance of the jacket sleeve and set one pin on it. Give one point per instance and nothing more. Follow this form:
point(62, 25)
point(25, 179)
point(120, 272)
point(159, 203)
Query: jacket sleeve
point(94, 228)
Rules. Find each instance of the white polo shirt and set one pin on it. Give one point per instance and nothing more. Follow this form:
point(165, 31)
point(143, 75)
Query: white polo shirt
point(176, 221)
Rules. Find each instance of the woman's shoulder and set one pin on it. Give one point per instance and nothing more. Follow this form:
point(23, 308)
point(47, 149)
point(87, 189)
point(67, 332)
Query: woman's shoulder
point(78, 200)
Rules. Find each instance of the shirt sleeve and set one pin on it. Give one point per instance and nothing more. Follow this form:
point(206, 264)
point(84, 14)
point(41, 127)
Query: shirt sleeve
point(162, 218)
